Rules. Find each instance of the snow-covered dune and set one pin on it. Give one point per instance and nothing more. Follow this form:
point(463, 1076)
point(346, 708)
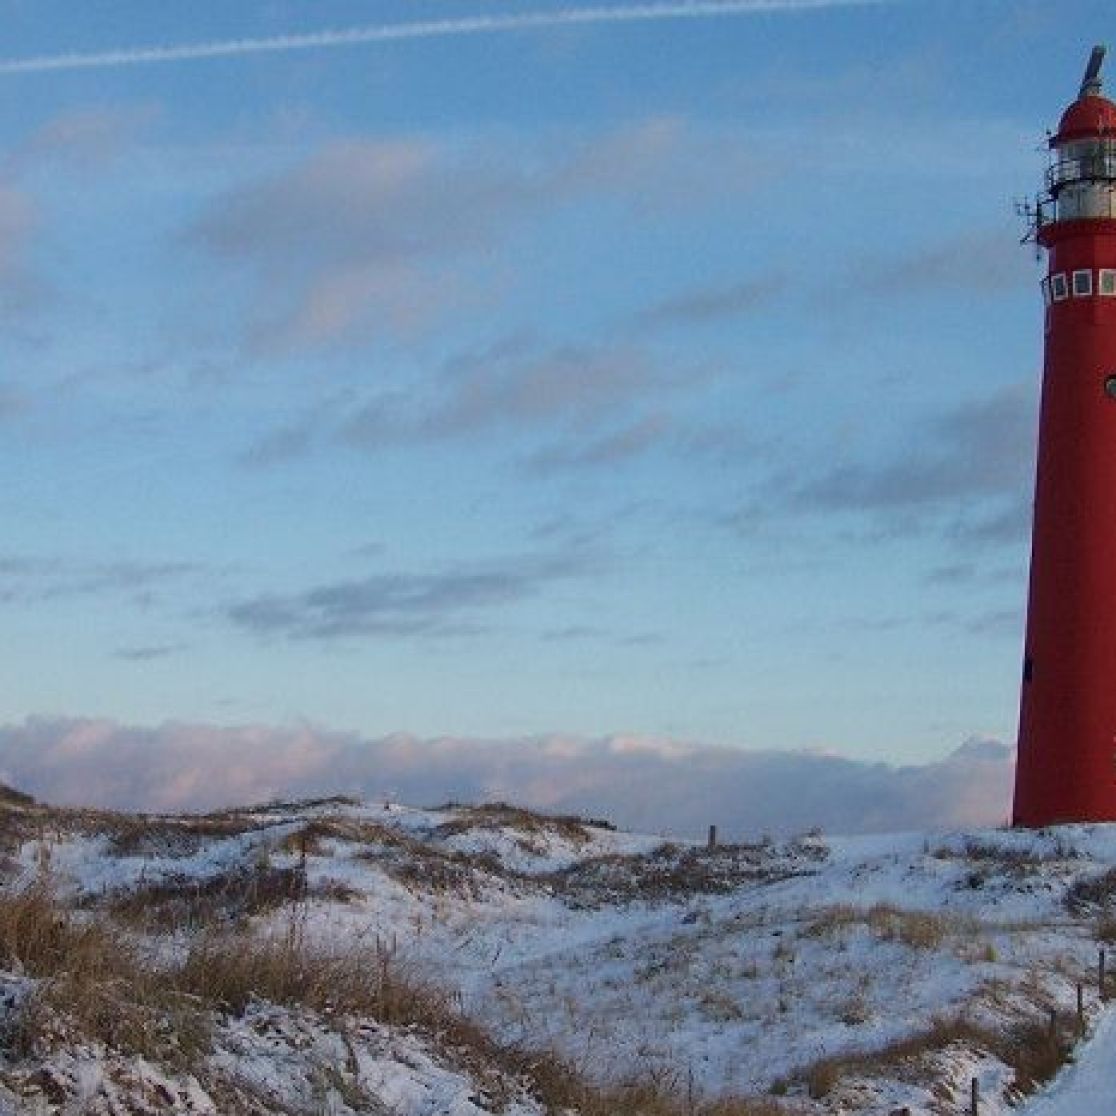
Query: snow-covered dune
point(828, 975)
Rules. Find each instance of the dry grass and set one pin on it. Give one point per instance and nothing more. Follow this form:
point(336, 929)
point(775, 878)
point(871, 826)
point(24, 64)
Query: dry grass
point(186, 902)
point(293, 805)
point(9, 796)
point(914, 929)
point(501, 815)
point(93, 984)
point(1033, 1051)
point(1091, 895)
point(228, 969)
point(136, 835)
point(670, 872)
point(1006, 858)
point(418, 866)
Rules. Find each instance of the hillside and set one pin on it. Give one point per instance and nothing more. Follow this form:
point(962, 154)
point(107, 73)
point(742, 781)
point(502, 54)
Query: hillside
point(339, 957)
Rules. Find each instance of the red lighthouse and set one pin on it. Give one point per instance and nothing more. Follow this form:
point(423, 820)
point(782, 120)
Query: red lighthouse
point(1067, 725)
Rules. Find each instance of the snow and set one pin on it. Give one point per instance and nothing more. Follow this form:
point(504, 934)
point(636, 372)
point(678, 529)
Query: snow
point(733, 969)
point(1089, 1085)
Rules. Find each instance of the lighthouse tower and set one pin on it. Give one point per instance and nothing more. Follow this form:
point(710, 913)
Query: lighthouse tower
point(1067, 726)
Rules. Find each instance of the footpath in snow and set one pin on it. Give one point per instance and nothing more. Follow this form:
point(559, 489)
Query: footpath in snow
point(1088, 1087)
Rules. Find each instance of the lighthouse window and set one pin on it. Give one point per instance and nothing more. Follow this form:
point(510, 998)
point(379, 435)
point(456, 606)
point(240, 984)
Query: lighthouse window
point(1107, 284)
point(1058, 288)
point(1110, 387)
point(1082, 284)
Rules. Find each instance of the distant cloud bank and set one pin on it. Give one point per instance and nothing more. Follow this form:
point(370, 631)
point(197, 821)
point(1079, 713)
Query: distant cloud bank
point(648, 784)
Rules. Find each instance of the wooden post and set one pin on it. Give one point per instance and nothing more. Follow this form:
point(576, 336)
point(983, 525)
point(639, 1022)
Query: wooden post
point(1080, 1009)
point(712, 836)
point(1101, 976)
point(974, 1100)
point(1053, 1021)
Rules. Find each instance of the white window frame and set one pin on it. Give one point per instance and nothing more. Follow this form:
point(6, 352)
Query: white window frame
point(1106, 282)
point(1059, 288)
point(1085, 274)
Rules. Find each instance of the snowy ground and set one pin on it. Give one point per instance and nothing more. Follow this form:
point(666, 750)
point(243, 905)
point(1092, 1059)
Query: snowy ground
point(780, 967)
point(1088, 1086)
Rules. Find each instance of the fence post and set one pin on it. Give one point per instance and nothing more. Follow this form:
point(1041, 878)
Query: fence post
point(1080, 1009)
point(712, 836)
point(1101, 976)
point(974, 1099)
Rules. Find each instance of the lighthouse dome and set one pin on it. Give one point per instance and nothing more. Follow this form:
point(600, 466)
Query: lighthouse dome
point(1087, 117)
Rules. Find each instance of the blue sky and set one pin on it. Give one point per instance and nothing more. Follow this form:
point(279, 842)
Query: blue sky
point(672, 378)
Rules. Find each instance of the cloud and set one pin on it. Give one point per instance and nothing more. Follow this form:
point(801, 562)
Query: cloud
point(84, 139)
point(654, 785)
point(949, 266)
point(1007, 522)
point(341, 242)
point(384, 33)
point(32, 578)
point(982, 448)
point(631, 440)
point(569, 384)
point(20, 289)
point(87, 138)
point(285, 443)
point(372, 235)
point(594, 405)
point(149, 653)
point(445, 603)
point(713, 304)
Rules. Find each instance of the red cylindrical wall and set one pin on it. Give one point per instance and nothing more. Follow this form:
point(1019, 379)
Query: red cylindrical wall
point(1066, 768)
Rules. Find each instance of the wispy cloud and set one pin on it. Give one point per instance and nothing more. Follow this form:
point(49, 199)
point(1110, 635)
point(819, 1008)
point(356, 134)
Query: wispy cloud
point(367, 237)
point(89, 137)
point(148, 653)
point(20, 287)
point(713, 304)
point(26, 578)
point(85, 140)
point(591, 405)
point(649, 784)
point(424, 29)
point(630, 440)
point(400, 604)
point(947, 267)
point(981, 448)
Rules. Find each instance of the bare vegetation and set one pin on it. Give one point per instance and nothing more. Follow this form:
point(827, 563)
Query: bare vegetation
point(915, 929)
point(1033, 1050)
point(500, 815)
point(193, 903)
point(673, 872)
point(1007, 858)
point(1092, 894)
point(136, 835)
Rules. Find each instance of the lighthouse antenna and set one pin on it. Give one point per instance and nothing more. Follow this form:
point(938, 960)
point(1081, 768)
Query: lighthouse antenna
point(1091, 84)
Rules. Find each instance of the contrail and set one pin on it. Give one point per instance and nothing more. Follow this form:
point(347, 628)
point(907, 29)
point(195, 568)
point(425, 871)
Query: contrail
point(425, 29)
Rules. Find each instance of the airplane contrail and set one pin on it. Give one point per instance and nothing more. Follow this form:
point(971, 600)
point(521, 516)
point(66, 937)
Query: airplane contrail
point(425, 29)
